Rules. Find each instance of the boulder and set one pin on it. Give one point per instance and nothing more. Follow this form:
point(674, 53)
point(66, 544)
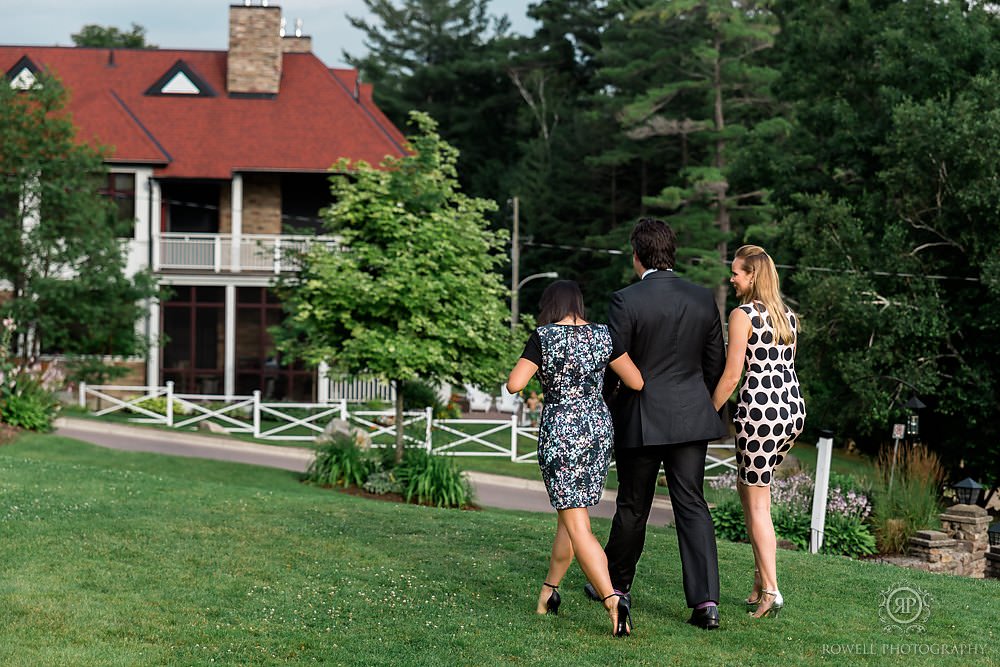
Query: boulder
point(343, 428)
point(211, 427)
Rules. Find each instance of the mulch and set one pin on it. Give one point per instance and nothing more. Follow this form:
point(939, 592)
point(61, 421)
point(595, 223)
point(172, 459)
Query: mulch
point(8, 433)
point(390, 497)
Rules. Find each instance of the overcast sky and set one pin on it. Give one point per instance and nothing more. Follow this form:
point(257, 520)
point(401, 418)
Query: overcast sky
point(199, 24)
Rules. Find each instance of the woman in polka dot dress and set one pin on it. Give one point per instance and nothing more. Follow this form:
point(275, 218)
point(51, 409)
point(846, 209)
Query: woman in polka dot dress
point(770, 413)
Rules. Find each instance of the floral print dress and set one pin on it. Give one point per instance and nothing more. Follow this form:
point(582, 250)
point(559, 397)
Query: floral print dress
point(575, 434)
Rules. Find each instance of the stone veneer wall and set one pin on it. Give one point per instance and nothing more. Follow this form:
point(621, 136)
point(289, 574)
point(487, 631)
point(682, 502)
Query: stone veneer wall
point(261, 204)
point(226, 208)
point(959, 547)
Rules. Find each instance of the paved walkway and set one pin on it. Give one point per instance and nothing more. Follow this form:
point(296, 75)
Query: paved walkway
point(491, 490)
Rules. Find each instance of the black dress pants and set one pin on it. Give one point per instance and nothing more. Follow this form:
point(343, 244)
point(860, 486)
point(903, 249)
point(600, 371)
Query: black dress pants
point(638, 469)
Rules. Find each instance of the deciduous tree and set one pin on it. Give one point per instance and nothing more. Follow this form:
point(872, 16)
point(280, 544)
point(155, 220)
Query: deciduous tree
point(111, 37)
point(63, 247)
point(414, 291)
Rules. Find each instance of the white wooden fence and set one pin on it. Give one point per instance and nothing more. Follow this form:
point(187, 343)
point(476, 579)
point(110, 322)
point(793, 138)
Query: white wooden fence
point(304, 422)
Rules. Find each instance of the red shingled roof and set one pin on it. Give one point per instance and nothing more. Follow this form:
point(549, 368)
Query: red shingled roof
point(312, 122)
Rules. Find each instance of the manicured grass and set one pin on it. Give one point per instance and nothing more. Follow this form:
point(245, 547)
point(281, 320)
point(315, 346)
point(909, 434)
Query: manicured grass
point(116, 558)
point(841, 461)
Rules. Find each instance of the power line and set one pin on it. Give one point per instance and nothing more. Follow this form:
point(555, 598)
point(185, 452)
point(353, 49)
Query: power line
point(605, 251)
point(790, 267)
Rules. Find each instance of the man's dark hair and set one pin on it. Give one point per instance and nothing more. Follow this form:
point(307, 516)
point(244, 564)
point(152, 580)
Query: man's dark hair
point(560, 299)
point(654, 243)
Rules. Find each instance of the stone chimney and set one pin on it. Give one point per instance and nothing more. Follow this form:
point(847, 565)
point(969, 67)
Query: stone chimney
point(255, 46)
point(297, 43)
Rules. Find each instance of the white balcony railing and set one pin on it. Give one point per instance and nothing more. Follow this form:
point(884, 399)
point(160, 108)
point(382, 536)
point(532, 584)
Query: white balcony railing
point(271, 253)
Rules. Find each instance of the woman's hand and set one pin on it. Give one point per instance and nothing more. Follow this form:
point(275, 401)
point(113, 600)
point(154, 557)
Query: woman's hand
point(628, 372)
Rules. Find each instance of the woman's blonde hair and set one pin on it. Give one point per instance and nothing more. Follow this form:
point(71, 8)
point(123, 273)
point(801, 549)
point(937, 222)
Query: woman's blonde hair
point(764, 287)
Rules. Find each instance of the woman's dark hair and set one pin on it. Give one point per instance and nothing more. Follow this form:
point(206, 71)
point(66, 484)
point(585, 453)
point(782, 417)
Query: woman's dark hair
point(562, 298)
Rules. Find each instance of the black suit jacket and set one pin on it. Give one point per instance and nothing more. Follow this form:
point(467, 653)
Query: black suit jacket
point(672, 331)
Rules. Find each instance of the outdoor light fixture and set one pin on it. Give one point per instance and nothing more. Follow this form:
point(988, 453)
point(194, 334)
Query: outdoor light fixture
point(967, 491)
point(994, 533)
point(914, 405)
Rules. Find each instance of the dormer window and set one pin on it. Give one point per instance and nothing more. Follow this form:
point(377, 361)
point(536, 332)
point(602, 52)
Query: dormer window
point(181, 79)
point(23, 75)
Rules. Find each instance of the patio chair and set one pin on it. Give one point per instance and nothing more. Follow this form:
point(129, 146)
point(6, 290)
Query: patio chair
point(508, 402)
point(478, 400)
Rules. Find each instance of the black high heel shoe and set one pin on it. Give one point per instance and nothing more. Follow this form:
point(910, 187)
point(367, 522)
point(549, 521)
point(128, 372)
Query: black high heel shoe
point(624, 628)
point(552, 604)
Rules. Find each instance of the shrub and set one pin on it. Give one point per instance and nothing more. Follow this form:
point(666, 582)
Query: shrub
point(911, 502)
point(158, 405)
point(418, 395)
point(433, 479)
point(29, 405)
point(449, 411)
point(847, 536)
point(26, 398)
point(848, 505)
point(381, 482)
point(729, 522)
point(792, 525)
point(341, 463)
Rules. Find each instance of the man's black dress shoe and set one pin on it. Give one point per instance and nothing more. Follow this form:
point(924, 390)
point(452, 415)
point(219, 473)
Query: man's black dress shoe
point(706, 618)
point(591, 593)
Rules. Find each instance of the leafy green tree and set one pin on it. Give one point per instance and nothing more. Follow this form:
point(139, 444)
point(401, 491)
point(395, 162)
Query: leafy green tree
point(414, 292)
point(63, 252)
point(888, 184)
point(111, 37)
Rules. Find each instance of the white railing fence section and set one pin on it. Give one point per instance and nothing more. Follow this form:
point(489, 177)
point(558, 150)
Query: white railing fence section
point(360, 389)
point(304, 422)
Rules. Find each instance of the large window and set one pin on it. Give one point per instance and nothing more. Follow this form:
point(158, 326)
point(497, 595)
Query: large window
point(194, 322)
point(302, 198)
point(191, 207)
point(120, 189)
point(258, 364)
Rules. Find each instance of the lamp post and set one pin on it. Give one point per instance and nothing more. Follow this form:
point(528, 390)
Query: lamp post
point(967, 491)
point(914, 405)
point(514, 309)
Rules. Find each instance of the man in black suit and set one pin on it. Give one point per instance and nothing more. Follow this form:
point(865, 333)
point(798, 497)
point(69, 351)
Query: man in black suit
point(672, 330)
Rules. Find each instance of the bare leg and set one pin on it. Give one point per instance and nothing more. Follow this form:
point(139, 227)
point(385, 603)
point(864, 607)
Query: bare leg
point(559, 562)
point(754, 596)
point(591, 557)
point(758, 505)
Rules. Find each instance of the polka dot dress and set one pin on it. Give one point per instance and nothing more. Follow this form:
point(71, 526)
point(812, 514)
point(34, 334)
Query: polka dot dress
point(771, 412)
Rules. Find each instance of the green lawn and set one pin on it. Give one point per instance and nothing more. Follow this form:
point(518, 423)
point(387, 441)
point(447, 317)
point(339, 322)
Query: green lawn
point(115, 558)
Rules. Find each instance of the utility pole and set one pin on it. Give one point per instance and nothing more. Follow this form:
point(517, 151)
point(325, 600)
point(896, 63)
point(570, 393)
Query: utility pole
point(515, 273)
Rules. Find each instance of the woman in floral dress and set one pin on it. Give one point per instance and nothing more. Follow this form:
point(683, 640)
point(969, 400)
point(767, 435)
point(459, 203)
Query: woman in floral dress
point(575, 435)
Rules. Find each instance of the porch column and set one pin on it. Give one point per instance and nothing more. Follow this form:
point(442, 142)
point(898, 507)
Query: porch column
point(155, 221)
point(153, 354)
point(236, 221)
point(229, 374)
